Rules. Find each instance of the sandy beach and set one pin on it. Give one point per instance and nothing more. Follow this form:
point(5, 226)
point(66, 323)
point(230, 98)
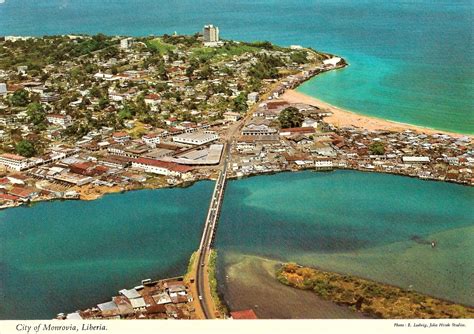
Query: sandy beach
point(342, 117)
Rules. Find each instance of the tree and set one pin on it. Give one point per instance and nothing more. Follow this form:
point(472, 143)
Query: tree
point(377, 148)
point(20, 98)
point(299, 57)
point(290, 118)
point(35, 113)
point(240, 103)
point(25, 148)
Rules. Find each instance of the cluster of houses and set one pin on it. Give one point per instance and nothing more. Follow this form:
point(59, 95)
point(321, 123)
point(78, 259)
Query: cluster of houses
point(115, 160)
point(264, 147)
point(163, 299)
point(190, 111)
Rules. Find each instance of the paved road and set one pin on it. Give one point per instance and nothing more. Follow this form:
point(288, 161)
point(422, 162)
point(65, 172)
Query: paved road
point(202, 279)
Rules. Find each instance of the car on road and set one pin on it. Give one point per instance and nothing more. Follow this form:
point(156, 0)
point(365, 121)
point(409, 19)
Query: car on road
point(200, 297)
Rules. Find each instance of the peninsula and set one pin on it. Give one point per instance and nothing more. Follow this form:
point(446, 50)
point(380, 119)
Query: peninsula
point(81, 116)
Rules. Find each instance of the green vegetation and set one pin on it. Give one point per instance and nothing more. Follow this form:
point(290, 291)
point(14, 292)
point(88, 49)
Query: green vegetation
point(192, 259)
point(377, 148)
point(36, 114)
point(25, 148)
point(159, 46)
point(227, 51)
point(240, 103)
point(375, 299)
point(187, 41)
point(39, 52)
point(290, 118)
point(213, 283)
point(20, 98)
point(266, 67)
point(263, 45)
point(299, 57)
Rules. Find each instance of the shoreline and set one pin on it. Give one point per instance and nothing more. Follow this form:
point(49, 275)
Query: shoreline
point(286, 277)
point(346, 118)
point(98, 196)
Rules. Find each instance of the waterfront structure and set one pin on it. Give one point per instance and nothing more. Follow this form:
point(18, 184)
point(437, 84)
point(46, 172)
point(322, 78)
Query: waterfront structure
point(196, 138)
point(416, 160)
point(13, 161)
point(160, 167)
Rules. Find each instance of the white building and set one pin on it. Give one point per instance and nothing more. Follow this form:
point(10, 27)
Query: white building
point(196, 138)
point(152, 99)
point(3, 88)
point(416, 160)
point(126, 43)
point(159, 167)
point(210, 33)
point(151, 139)
point(322, 163)
point(121, 137)
point(13, 161)
point(258, 127)
point(332, 62)
point(231, 116)
point(252, 97)
point(309, 123)
point(62, 120)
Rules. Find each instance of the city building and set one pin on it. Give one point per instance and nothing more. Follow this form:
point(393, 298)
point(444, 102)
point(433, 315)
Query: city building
point(210, 33)
point(252, 97)
point(196, 138)
point(62, 120)
point(231, 116)
point(258, 127)
point(151, 139)
point(3, 89)
point(126, 43)
point(121, 137)
point(13, 161)
point(159, 167)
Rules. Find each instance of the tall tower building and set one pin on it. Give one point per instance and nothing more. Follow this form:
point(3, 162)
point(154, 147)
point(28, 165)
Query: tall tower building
point(210, 33)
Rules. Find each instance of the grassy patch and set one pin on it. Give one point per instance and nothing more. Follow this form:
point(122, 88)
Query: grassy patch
point(213, 283)
point(160, 46)
point(192, 259)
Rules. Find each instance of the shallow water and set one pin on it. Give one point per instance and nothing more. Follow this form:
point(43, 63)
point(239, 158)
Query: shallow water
point(372, 225)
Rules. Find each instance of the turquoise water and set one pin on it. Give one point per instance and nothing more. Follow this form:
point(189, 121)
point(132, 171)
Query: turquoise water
point(410, 60)
point(376, 226)
point(64, 256)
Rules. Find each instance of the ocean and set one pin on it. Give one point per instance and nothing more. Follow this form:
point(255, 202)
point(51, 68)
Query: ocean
point(409, 60)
